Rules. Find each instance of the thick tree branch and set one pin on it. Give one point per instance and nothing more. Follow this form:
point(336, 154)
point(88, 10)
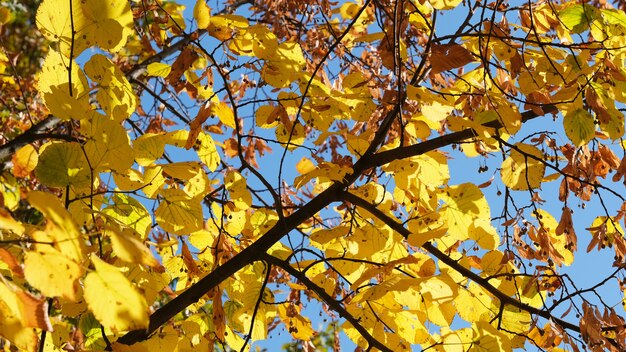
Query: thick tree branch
point(33, 134)
point(387, 156)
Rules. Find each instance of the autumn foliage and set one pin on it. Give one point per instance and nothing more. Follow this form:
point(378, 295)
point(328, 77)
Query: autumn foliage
point(395, 174)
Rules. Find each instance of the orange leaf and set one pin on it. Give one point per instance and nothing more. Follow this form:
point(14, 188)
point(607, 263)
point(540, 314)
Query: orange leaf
point(11, 262)
point(34, 311)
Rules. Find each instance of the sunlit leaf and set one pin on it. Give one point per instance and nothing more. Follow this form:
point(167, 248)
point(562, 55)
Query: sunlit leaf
point(464, 204)
point(578, 17)
point(130, 212)
point(53, 274)
point(207, 152)
point(160, 69)
point(109, 146)
point(24, 160)
point(521, 170)
point(60, 228)
point(64, 100)
point(95, 23)
point(129, 248)
point(178, 212)
point(116, 96)
point(114, 301)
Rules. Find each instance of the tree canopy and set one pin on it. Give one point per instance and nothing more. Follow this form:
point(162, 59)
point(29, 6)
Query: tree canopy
point(401, 174)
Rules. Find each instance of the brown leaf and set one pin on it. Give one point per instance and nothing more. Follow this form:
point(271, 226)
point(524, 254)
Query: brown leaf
point(535, 100)
point(219, 318)
point(609, 157)
point(182, 63)
point(449, 56)
point(566, 226)
point(190, 263)
point(196, 125)
point(597, 105)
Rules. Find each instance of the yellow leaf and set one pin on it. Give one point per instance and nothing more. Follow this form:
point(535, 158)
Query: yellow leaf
point(325, 171)
point(148, 148)
point(207, 152)
point(224, 113)
point(436, 112)
point(299, 326)
point(472, 303)
point(489, 338)
point(60, 228)
point(128, 248)
point(53, 84)
point(463, 205)
point(109, 145)
point(222, 27)
point(114, 301)
point(160, 69)
point(106, 24)
point(237, 188)
point(266, 116)
point(256, 40)
point(484, 234)
point(128, 180)
point(194, 177)
point(305, 166)
point(285, 134)
point(115, 94)
point(284, 66)
point(153, 180)
point(150, 281)
point(130, 212)
point(178, 212)
point(579, 126)
point(202, 13)
point(177, 138)
point(24, 160)
point(11, 324)
point(53, 274)
point(520, 171)
point(264, 42)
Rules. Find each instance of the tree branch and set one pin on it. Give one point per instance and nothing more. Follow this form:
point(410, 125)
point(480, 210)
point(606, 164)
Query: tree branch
point(387, 156)
point(467, 273)
point(332, 303)
point(35, 133)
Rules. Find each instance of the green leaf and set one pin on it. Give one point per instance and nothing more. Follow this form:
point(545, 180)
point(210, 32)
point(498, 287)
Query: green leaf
point(577, 18)
point(579, 126)
point(63, 164)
